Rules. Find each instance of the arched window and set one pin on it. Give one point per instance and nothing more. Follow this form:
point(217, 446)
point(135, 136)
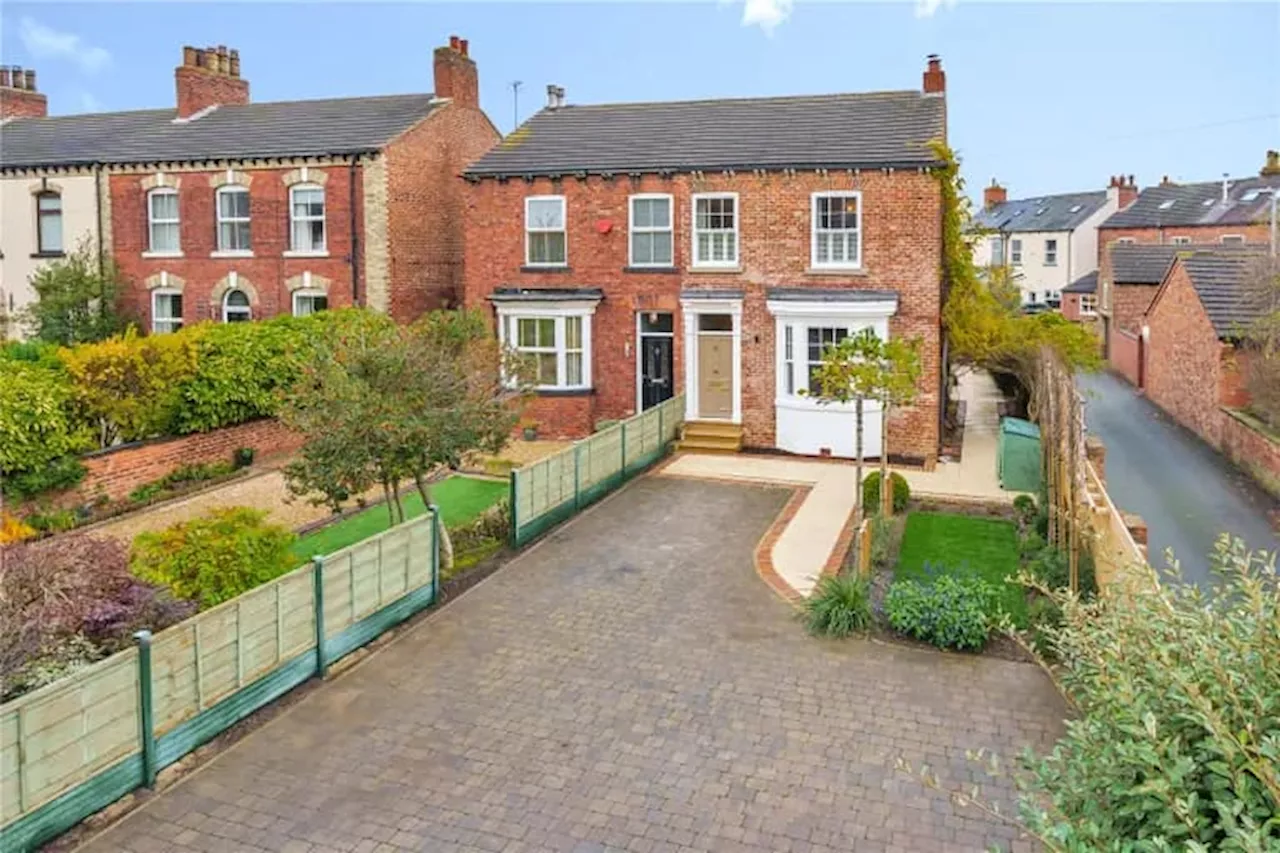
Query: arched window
point(162, 221)
point(235, 307)
point(306, 212)
point(48, 223)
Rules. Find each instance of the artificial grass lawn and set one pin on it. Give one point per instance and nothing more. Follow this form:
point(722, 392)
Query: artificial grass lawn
point(987, 546)
point(461, 500)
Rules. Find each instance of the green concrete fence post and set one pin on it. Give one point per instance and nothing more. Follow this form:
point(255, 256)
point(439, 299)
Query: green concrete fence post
point(515, 521)
point(146, 710)
point(435, 552)
point(577, 477)
point(662, 432)
point(317, 582)
point(624, 453)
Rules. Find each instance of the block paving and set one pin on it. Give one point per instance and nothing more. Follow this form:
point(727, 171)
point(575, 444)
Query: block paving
point(627, 684)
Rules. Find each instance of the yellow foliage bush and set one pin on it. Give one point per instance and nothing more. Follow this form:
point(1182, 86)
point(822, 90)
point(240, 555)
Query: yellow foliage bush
point(14, 529)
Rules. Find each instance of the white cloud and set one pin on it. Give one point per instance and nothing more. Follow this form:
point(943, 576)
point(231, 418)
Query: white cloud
point(767, 13)
point(927, 8)
point(46, 43)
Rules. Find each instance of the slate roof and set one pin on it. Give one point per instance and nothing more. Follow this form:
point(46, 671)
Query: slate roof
point(279, 129)
point(1045, 213)
point(1197, 204)
point(1219, 278)
point(822, 131)
point(1141, 263)
point(1087, 283)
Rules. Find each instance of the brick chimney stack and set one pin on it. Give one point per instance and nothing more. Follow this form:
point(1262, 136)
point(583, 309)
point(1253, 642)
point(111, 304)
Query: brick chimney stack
point(209, 77)
point(1124, 190)
point(935, 79)
point(1272, 166)
point(18, 95)
point(455, 74)
point(993, 195)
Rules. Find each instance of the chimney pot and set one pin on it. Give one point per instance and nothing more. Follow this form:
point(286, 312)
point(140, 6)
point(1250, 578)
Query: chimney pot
point(1272, 165)
point(4, 77)
point(189, 56)
point(209, 77)
point(462, 46)
point(22, 99)
point(31, 80)
point(551, 96)
point(935, 79)
point(234, 62)
point(454, 41)
point(19, 79)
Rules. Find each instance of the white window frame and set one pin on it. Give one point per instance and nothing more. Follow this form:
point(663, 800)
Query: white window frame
point(1231, 239)
point(1088, 305)
point(699, 263)
point(1015, 251)
point(1180, 240)
point(563, 229)
point(307, 293)
point(246, 310)
point(44, 245)
point(995, 247)
point(633, 229)
point(152, 222)
point(1125, 241)
point(223, 251)
point(510, 315)
point(295, 220)
point(1050, 255)
point(164, 325)
point(813, 230)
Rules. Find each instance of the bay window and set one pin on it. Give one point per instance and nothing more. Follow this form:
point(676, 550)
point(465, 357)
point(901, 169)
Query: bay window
point(555, 343)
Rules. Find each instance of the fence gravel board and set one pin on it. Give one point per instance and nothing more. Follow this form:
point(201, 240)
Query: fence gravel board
point(552, 489)
point(73, 747)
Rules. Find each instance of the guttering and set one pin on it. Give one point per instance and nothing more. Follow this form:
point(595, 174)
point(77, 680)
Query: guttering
point(355, 234)
point(621, 171)
point(97, 193)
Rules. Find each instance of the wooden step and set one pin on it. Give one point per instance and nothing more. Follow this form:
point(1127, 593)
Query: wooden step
point(717, 429)
point(710, 437)
point(725, 443)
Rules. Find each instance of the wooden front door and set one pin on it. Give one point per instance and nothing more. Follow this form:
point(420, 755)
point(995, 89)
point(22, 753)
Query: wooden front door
point(715, 376)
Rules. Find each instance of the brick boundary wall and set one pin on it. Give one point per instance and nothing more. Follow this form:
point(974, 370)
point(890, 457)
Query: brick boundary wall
point(118, 471)
point(1250, 448)
point(1124, 354)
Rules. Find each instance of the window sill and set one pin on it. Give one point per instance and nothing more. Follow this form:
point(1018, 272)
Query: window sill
point(48, 254)
point(294, 253)
point(564, 392)
point(545, 268)
point(667, 270)
point(231, 254)
point(162, 254)
point(835, 271)
point(707, 269)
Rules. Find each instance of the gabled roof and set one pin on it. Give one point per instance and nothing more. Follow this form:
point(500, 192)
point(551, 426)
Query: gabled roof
point(1172, 205)
point(1044, 213)
point(1087, 283)
point(826, 131)
point(279, 129)
point(1220, 280)
point(1141, 263)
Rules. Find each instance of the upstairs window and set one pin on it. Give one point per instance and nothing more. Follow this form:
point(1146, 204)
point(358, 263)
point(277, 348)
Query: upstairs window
point(651, 231)
point(162, 221)
point(1050, 252)
point(306, 211)
point(233, 220)
point(544, 226)
point(236, 308)
point(48, 223)
point(837, 230)
point(715, 230)
point(997, 251)
point(1015, 252)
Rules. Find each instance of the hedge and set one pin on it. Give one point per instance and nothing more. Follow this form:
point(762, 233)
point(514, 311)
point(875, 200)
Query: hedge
point(53, 407)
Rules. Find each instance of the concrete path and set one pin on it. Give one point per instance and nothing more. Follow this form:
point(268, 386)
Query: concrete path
point(1186, 492)
point(804, 548)
point(626, 685)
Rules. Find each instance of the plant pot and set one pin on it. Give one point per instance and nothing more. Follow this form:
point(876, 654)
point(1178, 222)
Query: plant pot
point(530, 433)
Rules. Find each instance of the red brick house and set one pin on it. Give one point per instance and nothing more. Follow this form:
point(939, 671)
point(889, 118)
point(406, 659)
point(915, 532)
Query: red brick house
point(1080, 299)
point(713, 248)
point(223, 209)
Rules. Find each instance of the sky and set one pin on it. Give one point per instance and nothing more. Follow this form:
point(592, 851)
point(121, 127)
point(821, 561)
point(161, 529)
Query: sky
point(1045, 97)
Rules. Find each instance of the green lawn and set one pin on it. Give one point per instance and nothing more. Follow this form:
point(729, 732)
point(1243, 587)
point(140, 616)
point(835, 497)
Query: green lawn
point(988, 546)
point(461, 499)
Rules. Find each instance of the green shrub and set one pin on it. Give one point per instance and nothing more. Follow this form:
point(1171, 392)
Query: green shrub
point(214, 558)
point(953, 612)
point(146, 492)
point(1030, 546)
point(1053, 569)
point(1177, 743)
point(871, 491)
point(1025, 507)
point(492, 525)
point(243, 457)
point(38, 432)
point(53, 521)
point(35, 352)
point(840, 606)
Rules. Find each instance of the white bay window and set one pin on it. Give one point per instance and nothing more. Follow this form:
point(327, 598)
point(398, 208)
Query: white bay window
point(555, 341)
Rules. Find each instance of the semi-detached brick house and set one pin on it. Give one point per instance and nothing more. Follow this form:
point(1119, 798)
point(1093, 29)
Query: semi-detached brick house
point(713, 248)
point(226, 210)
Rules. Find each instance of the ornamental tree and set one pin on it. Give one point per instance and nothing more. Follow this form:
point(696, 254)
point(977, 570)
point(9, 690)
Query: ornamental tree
point(77, 301)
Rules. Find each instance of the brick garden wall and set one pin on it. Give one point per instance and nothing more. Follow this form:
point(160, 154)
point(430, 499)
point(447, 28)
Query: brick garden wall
point(901, 251)
point(1250, 449)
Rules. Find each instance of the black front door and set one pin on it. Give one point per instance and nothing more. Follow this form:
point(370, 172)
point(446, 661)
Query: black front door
point(656, 383)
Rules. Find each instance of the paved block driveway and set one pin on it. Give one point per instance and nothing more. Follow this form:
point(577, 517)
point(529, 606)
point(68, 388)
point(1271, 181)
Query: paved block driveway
point(629, 684)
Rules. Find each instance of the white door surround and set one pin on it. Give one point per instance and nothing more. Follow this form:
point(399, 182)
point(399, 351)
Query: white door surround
point(692, 307)
point(803, 424)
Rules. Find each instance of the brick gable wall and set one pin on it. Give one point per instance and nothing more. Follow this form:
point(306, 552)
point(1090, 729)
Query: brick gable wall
point(1184, 364)
point(268, 272)
point(901, 246)
point(424, 207)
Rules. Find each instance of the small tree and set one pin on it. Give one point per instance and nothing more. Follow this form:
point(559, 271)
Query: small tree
point(77, 299)
point(863, 367)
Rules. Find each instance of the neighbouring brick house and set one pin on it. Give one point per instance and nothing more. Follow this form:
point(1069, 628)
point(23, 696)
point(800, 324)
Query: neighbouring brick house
point(1080, 299)
point(227, 210)
point(713, 248)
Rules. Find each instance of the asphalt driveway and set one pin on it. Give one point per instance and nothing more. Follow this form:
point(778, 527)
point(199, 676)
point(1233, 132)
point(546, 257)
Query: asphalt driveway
point(1186, 492)
point(628, 684)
